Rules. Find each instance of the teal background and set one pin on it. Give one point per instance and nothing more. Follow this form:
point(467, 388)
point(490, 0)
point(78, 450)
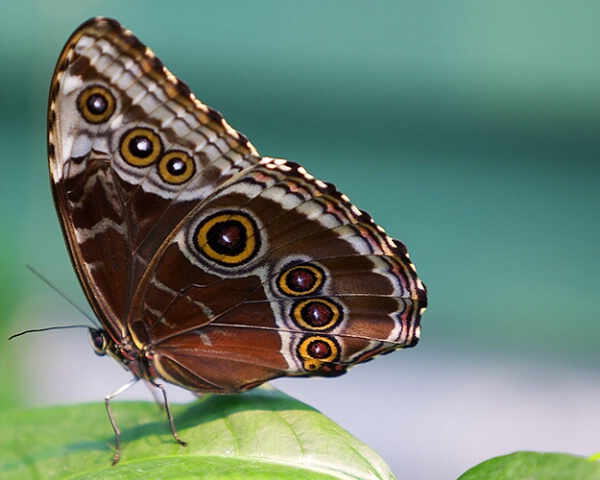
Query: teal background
point(469, 130)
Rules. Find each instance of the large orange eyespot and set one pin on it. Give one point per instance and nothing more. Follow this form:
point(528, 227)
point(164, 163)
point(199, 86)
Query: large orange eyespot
point(176, 167)
point(316, 314)
point(96, 104)
point(228, 238)
point(316, 351)
point(300, 280)
point(140, 147)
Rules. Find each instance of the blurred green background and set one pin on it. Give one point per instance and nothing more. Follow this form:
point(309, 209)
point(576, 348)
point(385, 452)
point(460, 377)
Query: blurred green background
point(469, 130)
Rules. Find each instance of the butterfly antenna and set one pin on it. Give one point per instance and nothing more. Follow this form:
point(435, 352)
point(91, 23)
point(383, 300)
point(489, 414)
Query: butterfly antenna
point(62, 294)
point(33, 330)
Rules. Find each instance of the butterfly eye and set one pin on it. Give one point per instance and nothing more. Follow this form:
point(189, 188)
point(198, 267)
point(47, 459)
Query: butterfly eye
point(316, 314)
point(229, 238)
point(140, 147)
point(300, 280)
point(99, 340)
point(315, 351)
point(176, 167)
point(96, 104)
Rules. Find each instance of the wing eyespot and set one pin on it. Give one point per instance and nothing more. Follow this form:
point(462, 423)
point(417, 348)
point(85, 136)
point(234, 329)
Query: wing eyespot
point(140, 147)
point(96, 104)
point(303, 279)
point(176, 167)
point(317, 351)
point(228, 238)
point(317, 314)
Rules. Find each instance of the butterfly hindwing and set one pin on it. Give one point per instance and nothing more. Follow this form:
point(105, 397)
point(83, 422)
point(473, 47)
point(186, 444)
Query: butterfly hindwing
point(316, 280)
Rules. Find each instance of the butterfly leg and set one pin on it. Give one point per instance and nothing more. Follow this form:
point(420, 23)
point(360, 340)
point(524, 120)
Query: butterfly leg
point(155, 395)
point(107, 400)
point(169, 415)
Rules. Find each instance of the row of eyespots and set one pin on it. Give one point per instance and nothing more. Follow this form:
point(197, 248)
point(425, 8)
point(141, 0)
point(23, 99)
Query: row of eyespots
point(316, 314)
point(229, 238)
point(316, 352)
point(139, 147)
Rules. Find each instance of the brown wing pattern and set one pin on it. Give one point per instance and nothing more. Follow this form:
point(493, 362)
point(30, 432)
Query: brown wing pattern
point(217, 268)
point(319, 271)
point(115, 206)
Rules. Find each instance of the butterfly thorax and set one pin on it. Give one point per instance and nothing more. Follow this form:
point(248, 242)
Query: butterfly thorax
point(126, 353)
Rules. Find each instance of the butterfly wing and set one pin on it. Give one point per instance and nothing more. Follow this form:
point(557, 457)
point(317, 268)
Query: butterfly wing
point(222, 269)
point(311, 286)
point(131, 152)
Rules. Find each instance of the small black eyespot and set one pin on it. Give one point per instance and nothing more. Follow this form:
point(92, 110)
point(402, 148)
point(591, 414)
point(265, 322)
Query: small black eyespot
point(140, 146)
point(97, 104)
point(176, 166)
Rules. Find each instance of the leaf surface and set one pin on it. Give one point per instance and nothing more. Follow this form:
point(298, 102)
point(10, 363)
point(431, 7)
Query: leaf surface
point(260, 434)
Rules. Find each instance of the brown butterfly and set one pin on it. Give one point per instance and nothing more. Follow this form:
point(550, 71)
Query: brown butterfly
point(209, 266)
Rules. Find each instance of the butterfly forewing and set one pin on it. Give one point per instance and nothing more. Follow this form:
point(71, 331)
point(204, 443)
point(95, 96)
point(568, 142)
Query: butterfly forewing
point(115, 211)
point(210, 266)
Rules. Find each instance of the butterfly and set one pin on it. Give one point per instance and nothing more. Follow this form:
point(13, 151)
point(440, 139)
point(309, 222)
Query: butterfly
point(209, 266)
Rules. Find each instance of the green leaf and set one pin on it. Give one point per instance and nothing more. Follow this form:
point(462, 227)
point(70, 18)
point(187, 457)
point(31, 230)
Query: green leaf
point(263, 434)
point(535, 466)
